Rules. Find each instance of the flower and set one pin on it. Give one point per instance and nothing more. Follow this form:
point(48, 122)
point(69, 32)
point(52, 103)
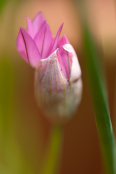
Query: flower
point(58, 84)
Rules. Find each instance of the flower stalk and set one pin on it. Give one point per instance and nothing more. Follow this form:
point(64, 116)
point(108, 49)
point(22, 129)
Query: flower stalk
point(53, 152)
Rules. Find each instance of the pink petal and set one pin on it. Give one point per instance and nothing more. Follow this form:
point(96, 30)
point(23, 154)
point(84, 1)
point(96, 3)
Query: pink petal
point(55, 44)
point(43, 40)
point(27, 48)
point(37, 22)
point(21, 46)
point(66, 57)
point(75, 68)
point(30, 28)
point(63, 41)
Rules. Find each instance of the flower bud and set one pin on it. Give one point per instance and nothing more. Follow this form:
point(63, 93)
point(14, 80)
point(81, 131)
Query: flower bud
point(58, 84)
point(57, 94)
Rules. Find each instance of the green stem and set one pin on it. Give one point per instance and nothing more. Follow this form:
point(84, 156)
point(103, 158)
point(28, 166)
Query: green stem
point(53, 151)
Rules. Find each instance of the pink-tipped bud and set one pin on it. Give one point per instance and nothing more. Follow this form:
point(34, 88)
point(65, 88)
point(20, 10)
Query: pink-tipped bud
point(58, 84)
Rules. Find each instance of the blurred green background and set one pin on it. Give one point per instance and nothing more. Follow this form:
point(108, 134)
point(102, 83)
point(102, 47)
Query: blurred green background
point(24, 132)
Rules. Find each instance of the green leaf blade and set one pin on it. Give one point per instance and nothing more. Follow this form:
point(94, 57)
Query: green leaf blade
point(101, 110)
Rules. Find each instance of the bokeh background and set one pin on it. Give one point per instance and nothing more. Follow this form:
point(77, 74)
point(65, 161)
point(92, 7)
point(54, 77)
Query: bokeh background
point(24, 131)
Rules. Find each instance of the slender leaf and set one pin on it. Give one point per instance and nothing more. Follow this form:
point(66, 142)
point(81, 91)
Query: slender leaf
point(101, 110)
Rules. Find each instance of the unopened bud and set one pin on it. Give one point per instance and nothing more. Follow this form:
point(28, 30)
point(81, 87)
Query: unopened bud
point(58, 84)
point(58, 92)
